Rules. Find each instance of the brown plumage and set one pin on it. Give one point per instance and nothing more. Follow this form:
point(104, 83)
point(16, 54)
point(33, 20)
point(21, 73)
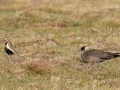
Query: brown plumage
point(96, 55)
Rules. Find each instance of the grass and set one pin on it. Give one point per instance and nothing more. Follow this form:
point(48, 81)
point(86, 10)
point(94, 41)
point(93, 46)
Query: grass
point(47, 35)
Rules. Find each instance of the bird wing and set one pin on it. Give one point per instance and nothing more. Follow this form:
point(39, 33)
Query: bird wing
point(99, 54)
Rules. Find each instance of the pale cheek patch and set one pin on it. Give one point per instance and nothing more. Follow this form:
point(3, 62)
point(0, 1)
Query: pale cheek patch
point(86, 48)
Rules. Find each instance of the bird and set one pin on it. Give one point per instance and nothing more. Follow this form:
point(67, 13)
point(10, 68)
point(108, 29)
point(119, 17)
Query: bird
point(9, 49)
point(89, 55)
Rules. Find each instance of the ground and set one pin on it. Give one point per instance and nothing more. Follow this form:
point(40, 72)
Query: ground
point(48, 34)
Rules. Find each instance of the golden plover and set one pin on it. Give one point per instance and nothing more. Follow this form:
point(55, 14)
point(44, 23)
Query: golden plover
point(9, 49)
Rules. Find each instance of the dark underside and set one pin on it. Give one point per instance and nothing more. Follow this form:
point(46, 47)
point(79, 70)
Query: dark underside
point(9, 52)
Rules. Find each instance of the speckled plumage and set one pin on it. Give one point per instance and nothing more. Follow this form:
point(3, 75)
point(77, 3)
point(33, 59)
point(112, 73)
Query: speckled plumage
point(9, 49)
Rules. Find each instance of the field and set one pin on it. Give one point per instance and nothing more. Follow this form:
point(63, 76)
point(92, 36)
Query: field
point(48, 33)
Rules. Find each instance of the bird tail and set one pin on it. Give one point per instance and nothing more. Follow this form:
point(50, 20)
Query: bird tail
point(116, 55)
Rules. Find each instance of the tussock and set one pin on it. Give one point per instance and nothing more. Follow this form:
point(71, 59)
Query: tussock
point(38, 66)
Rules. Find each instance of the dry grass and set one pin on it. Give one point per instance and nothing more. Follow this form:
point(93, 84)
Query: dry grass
point(47, 35)
point(38, 66)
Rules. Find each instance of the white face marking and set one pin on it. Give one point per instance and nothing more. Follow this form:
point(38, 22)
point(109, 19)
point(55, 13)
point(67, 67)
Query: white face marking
point(86, 48)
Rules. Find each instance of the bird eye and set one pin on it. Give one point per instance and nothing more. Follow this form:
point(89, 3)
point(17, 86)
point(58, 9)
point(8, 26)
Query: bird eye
point(83, 48)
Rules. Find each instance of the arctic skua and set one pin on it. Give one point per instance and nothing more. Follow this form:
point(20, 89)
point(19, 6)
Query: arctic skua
point(96, 55)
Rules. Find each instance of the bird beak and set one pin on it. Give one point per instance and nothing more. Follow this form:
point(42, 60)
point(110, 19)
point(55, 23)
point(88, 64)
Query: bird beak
point(79, 50)
point(3, 40)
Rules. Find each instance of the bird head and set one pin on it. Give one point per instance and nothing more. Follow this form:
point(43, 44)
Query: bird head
point(7, 39)
point(83, 48)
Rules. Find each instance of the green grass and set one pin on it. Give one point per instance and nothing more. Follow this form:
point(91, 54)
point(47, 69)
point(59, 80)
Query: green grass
point(47, 35)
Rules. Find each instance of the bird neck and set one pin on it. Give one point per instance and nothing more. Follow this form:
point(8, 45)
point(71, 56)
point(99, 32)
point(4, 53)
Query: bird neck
point(6, 43)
